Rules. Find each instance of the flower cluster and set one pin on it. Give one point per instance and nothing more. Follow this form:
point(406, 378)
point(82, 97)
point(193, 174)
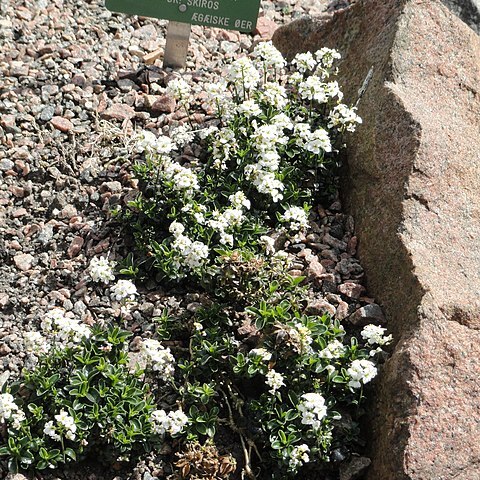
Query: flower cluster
point(65, 425)
point(375, 335)
point(123, 291)
point(274, 380)
point(158, 358)
point(262, 353)
point(193, 254)
point(171, 423)
point(64, 329)
point(10, 412)
point(299, 456)
point(361, 372)
point(313, 410)
point(35, 343)
point(101, 270)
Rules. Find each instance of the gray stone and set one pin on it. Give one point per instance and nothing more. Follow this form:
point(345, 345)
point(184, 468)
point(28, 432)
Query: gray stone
point(47, 113)
point(6, 164)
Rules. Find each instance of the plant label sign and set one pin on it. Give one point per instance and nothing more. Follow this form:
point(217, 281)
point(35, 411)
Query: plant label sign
point(238, 15)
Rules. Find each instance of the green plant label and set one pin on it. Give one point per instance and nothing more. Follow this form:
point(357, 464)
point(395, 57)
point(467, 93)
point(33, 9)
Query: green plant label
point(238, 15)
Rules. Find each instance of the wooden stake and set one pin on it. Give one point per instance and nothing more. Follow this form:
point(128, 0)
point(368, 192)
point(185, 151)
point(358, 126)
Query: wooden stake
point(178, 36)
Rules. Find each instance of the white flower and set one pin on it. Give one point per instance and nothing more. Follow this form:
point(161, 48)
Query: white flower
point(326, 58)
point(145, 140)
point(268, 55)
point(177, 421)
point(176, 228)
point(361, 371)
point(268, 243)
point(172, 423)
point(334, 349)
point(304, 62)
point(304, 337)
point(318, 141)
point(249, 108)
point(297, 217)
point(9, 410)
point(239, 200)
point(374, 335)
point(260, 352)
point(123, 290)
point(35, 343)
point(182, 135)
point(266, 137)
point(50, 430)
point(275, 95)
point(332, 89)
point(274, 380)
point(265, 182)
point(269, 160)
point(64, 328)
point(282, 122)
point(181, 178)
point(298, 457)
point(343, 117)
point(243, 74)
point(313, 409)
point(158, 358)
point(101, 270)
point(179, 89)
point(163, 145)
point(206, 132)
point(313, 89)
point(194, 254)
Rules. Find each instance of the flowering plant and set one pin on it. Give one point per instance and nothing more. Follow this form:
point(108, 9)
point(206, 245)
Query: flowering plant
point(270, 151)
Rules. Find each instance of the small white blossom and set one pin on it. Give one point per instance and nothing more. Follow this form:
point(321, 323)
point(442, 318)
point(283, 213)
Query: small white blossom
point(334, 349)
point(374, 335)
point(243, 74)
point(298, 457)
point(51, 431)
point(101, 270)
point(123, 291)
point(304, 62)
point(181, 178)
point(313, 89)
point(275, 95)
point(172, 423)
point(274, 380)
point(35, 343)
point(182, 135)
point(268, 243)
point(239, 200)
point(344, 117)
point(313, 409)
point(268, 55)
point(318, 141)
point(179, 89)
point(145, 141)
point(158, 358)
point(296, 217)
point(282, 122)
point(361, 372)
point(65, 329)
point(249, 108)
point(176, 228)
point(260, 352)
point(10, 411)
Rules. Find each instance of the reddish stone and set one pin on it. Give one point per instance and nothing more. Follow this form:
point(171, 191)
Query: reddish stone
point(164, 104)
point(265, 28)
point(62, 124)
point(75, 247)
point(118, 111)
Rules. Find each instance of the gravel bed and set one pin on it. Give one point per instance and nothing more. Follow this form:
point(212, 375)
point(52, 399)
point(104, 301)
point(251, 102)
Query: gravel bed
point(74, 86)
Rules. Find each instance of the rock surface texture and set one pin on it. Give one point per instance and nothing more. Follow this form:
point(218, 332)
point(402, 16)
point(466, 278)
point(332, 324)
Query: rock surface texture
point(467, 10)
point(412, 184)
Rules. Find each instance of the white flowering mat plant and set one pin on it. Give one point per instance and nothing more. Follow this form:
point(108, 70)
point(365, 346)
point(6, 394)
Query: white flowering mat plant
point(249, 363)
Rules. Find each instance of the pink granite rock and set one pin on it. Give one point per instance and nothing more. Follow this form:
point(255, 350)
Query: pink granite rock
point(413, 186)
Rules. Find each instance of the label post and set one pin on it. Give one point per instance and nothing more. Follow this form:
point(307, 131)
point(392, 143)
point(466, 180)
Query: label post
point(176, 48)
